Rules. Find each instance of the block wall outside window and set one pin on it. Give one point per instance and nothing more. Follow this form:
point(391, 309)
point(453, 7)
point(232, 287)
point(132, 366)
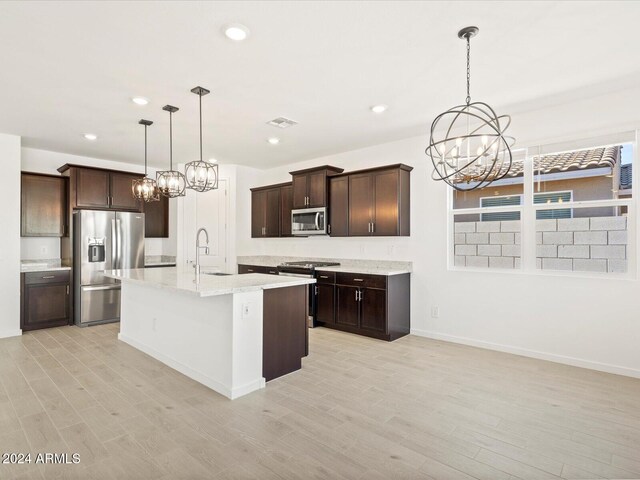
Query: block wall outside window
point(487, 244)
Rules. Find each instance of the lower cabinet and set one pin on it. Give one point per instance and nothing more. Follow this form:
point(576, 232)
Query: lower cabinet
point(45, 300)
point(373, 305)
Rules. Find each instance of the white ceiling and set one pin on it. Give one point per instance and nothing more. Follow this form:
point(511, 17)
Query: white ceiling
point(71, 67)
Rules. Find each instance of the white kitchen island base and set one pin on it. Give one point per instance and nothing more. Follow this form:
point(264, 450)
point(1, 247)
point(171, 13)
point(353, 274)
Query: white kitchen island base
point(211, 332)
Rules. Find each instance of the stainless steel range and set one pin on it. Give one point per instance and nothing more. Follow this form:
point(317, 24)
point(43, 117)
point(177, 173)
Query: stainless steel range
point(306, 269)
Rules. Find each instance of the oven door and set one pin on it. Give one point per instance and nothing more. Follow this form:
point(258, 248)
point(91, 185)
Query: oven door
point(309, 221)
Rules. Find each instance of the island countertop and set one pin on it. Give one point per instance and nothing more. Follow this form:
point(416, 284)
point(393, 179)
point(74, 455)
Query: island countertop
point(209, 285)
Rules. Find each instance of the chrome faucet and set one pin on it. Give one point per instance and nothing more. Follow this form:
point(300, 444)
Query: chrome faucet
point(198, 248)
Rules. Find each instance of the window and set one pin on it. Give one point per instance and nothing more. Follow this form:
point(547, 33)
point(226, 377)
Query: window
point(576, 205)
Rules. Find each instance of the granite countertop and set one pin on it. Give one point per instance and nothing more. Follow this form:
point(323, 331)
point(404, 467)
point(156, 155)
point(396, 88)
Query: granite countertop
point(159, 261)
point(178, 280)
point(50, 265)
point(363, 270)
point(364, 267)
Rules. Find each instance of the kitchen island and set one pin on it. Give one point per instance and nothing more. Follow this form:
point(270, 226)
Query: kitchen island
point(231, 333)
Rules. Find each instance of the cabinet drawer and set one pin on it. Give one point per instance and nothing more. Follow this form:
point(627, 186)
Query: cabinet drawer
point(251, 269)
point(326, 277)
point(58, 276)
point(361, 280)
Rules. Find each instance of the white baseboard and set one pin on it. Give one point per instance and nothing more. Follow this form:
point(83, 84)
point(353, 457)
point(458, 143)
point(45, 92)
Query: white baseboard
point(551, 357)
point(213, 384)
point(14, 332)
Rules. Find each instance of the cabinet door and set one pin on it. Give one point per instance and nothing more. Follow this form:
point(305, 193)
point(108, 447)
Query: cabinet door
point(360, 199)
point(325, 306)
point(45, 306)
point(299, 191)
point(386, 203)
point(347, 308)
point(286, 205)
point(258, 212)
point(156, 218)
point(339, 206)
point(92, 188)
point(43, 206)
point(373, 314)
point(272, 223)
point(317, 189)
point(121, 192)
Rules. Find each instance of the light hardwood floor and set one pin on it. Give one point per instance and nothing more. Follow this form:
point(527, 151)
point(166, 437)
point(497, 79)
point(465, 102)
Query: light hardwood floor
point(359, 409)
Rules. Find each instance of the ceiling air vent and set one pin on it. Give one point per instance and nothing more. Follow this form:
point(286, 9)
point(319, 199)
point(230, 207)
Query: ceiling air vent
point(282, 122)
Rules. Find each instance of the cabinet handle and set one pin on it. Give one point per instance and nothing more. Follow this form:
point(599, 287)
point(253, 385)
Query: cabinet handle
point(324, 276)
point(359, 295)
point(48, 276)
point(329, 228)
point(369, 227)
point(358, 280)
point(249, 270)
point(373, 227)
point(67, 289)
point(316, 290)
point(356, 295)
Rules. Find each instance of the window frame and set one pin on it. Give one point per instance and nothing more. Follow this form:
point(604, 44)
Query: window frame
point(528, 211)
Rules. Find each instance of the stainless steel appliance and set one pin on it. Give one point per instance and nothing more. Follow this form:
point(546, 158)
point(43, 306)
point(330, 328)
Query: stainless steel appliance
point(309, 221)
point(306, 269)
point(103, 241)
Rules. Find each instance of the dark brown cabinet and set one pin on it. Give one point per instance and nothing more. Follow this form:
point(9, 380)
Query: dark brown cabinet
point(270, 215)
point(45, 300)
point(286, 205)
point(156, 218)
point(43, 205)
point(257, 269)
point(310, 186)
point(379, 202)
point(373, 305)
point(339, 211)
point(325, 303)
point(101, 189)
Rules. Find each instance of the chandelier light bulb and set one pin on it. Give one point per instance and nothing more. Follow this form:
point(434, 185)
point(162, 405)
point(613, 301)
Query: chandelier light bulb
point(458, 142)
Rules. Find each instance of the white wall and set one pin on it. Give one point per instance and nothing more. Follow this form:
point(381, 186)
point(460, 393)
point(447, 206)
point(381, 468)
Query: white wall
point(10, 238)
point(577, 320)
point(44, 161)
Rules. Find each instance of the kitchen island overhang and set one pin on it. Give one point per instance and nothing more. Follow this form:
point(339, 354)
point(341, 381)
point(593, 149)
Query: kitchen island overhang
point(231, 333)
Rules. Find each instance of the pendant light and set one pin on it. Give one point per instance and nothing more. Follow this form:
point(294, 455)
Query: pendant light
point(474, 150)
point(171, 183)
point(145, 189)
point(201, 176)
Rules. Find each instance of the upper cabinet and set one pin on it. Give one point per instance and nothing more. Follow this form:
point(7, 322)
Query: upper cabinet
point(101, 189)
point(378, 202)
point(310, 186)
point(267, 211)
point(156, 218)
point(43, 205)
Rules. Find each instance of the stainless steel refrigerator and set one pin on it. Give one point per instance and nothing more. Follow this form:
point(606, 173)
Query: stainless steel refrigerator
point(103, 241)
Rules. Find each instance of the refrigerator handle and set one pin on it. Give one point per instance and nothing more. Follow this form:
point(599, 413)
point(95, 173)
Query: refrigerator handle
point(114, 241)
point(119, 243)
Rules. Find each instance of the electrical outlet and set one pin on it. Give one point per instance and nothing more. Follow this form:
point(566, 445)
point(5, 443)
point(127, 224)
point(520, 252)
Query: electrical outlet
point(43, 250)
point(435, 312)
point(246, 310)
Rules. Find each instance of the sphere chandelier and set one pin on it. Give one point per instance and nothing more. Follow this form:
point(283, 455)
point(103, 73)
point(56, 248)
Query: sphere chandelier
point(467, 144)
point(171, 183)
point(145, 188)
point(201, 176)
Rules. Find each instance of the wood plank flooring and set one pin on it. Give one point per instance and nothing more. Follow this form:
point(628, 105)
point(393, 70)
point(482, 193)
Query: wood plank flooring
point(359, 409)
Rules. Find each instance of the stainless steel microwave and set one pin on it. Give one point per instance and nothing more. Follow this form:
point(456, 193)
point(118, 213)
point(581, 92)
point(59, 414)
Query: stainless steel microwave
point(309, 221)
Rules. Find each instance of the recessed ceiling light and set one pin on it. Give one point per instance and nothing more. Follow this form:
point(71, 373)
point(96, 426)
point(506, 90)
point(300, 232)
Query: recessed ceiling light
point(236, 32)
point(90, 136)
point(273, 140)
point(379, 108)
point(140, 100)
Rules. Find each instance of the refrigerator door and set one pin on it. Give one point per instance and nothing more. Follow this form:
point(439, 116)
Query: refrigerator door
point(93, 246)
point(129, 240)
point(98, 304)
